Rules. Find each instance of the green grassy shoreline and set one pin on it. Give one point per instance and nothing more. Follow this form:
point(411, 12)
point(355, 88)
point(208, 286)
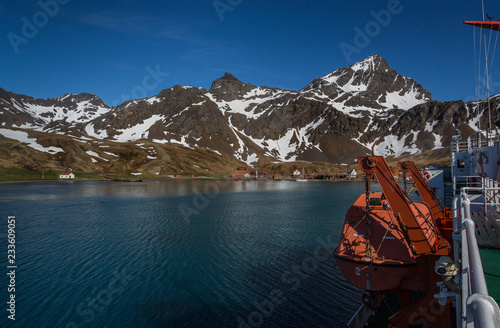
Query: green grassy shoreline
point(13, 175)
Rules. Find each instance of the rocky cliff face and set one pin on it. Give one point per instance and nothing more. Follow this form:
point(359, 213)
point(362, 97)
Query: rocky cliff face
point(334, 118)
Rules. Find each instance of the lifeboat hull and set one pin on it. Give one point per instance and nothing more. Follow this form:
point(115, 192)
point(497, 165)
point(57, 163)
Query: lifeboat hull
point(376, 276)
point(376, 256)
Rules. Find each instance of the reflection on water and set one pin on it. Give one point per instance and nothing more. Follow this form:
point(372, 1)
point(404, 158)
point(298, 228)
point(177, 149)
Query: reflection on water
point(149, 188)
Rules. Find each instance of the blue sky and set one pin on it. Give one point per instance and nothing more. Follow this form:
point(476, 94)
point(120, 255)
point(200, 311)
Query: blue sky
point(113, 48)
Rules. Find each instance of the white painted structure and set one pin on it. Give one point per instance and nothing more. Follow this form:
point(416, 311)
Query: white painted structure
point(66, 176)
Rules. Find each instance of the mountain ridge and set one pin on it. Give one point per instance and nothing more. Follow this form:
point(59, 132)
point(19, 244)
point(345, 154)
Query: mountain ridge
point(334, 118)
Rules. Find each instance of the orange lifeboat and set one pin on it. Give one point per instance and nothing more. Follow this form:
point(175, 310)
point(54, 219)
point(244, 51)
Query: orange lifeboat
point(373, 253)
point(390, 244)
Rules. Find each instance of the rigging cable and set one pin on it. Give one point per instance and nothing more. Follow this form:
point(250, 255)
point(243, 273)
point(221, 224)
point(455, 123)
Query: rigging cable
point(487, 73)
point(489, 41)
point(482, 1)
point(480, 81)
point(476, 87)
point(494, 50)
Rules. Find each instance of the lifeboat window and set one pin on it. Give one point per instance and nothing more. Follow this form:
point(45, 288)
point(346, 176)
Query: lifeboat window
point(460, 164)
point(374, 201)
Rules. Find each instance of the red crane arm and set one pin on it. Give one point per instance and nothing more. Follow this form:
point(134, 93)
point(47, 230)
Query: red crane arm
point(492, 25)
point(420, 226)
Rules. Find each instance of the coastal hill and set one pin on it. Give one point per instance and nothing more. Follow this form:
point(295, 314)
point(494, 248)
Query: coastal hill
point(191, 130)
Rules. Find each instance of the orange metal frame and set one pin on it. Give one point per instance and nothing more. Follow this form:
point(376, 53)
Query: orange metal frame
point(428, 195)
point(442, 216)
point(421, 229)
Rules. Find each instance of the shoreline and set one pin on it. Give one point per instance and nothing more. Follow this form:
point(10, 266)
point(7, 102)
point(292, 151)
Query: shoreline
point(174, 179)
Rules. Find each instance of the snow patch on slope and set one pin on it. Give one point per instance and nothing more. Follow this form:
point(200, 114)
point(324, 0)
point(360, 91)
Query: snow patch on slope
point(84, 112)
point(90, 130)
point(404, 101)
point(94, 154)
point(23, 137)
point(138, 131)
point(153, 100)
point(251, 159)
point(248, 104)
point(393, 146)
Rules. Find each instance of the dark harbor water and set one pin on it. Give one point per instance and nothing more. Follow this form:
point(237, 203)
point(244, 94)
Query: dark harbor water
point(181, 253)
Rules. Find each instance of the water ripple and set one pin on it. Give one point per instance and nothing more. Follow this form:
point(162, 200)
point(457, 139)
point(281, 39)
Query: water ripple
point(246, 250)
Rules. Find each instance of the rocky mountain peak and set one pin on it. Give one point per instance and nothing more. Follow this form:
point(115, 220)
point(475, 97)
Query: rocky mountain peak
point(374, 57)
point(370, 83)
point(372, 64)
point(75, 99)
point(226, 79)
point(229, 77)
point(228, 88)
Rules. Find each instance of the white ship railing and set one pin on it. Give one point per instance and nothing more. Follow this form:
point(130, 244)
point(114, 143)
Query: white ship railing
point(466, 181)
point(491, 194)
point(483, 138)
point(475, 308)
point(488, 188)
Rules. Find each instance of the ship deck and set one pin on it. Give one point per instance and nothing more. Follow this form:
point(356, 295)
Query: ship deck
point(488, 230)
point(488, 237)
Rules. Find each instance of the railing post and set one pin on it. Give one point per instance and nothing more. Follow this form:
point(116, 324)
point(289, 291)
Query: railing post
point(485, 192)
point(496, 196)
point(464, 261)
point(491, 193)
point(456, 226)
point(456, 250)
point(478, 283)
point(454, 185)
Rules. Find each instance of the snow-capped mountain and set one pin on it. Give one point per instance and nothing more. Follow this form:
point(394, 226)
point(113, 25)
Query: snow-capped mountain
point(52, 115)
point(334, 118)
point(369, 84)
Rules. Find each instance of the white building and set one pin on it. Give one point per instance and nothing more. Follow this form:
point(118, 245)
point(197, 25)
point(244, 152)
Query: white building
point(353, 173)
point(297, 173)
point(66, 176)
